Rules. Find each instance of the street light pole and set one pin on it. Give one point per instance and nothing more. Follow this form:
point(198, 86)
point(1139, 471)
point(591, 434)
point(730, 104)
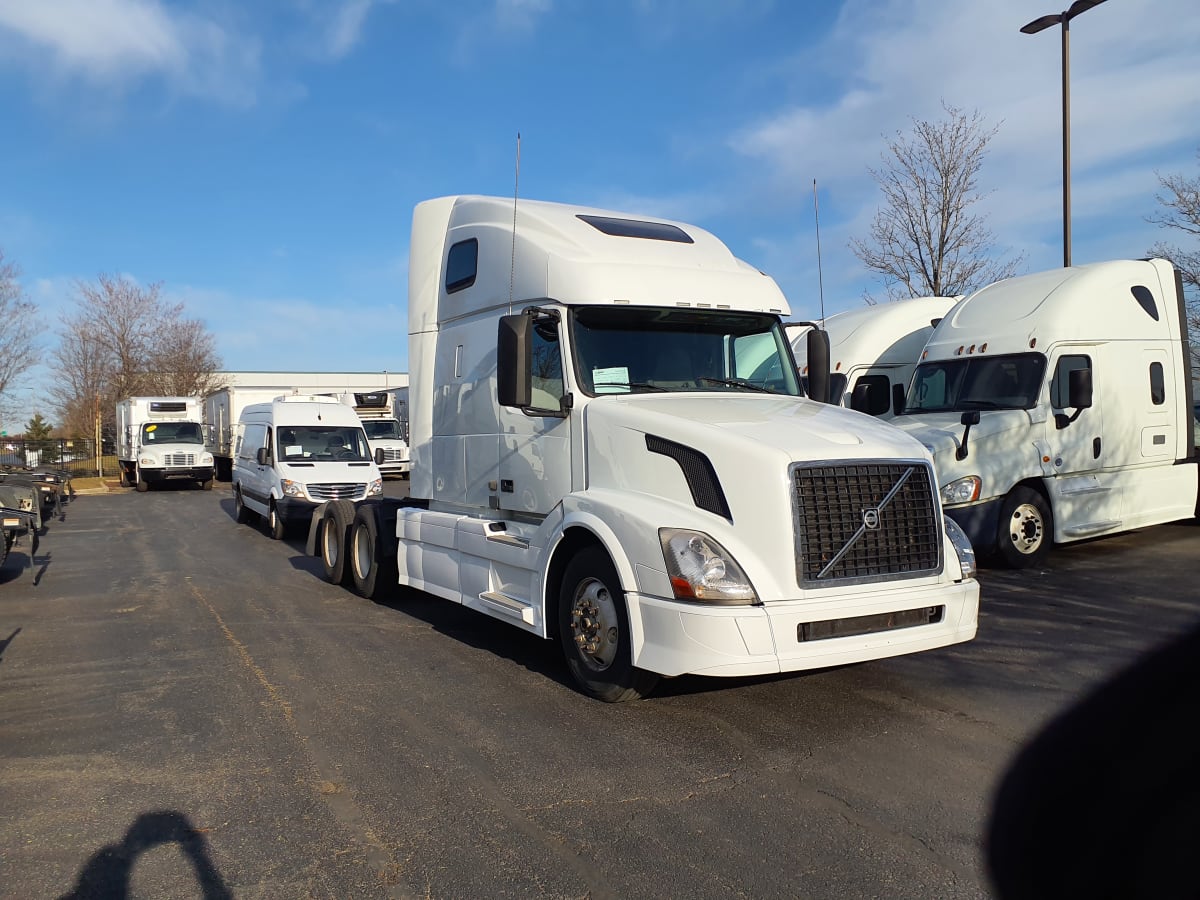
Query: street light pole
point(1064, 19)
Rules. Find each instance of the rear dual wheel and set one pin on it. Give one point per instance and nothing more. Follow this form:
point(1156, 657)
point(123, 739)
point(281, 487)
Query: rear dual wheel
point(335, 539)
point(372, 567)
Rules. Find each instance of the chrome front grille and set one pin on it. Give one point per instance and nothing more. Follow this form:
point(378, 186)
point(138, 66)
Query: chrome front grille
point(346, 491)
point(391, 455)
point(179, 459)
point(858, 522)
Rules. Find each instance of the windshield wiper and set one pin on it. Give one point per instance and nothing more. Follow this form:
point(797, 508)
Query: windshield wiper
point(739, 383)
point(632, 385)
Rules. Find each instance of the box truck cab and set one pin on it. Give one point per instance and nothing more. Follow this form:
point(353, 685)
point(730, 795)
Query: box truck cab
point(296, 452)
point(1056, 406)
point(611, 450)
point(874, 350)
point(162, 439)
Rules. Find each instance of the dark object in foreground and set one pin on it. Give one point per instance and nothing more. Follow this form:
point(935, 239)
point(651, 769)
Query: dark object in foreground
point(1105, 801)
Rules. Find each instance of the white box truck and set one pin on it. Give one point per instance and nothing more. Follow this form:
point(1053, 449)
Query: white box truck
point(873, 351)
point(611, 450)
point(1056, 406)
point(222, 409)
point(385, 431)
point(162, 439)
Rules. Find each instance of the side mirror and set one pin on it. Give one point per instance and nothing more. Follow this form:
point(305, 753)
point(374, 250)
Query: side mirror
point(379, 456)
point(967, 420)
point(263, 456)
point(1079, 388)
point(818, 364)
point(514, 361)
point(860, 398)
point(897, 399)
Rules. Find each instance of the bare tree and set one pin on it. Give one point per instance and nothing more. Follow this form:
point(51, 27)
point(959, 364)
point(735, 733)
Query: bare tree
point(1180, 199)
point(123, 340)
point(926, 240)
point(18, 329)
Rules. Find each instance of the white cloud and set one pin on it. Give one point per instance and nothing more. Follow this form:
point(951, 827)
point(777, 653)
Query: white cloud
point(117, 42)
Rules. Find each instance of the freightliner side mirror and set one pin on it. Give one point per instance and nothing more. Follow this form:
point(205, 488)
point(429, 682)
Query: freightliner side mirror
point(818, 364)
point(513, 361)
point(966, 420)
point(1079, 388)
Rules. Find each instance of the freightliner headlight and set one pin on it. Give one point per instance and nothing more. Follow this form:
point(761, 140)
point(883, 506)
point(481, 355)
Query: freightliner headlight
point(375, 487)
point(146, 461)
point(964, 490)
point(701, 569)
point(291, 488)
point(962, 547)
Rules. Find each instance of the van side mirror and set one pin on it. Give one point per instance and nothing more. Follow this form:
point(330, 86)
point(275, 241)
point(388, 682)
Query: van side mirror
point(263, 456)
point(897, 399)
point(818, 364)
point(514, 361)
point(1079, 388)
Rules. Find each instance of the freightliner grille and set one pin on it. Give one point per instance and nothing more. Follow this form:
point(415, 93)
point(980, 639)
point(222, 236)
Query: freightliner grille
point(859, 522)
point(337, 491)
point(180, 459)
point(390, 455)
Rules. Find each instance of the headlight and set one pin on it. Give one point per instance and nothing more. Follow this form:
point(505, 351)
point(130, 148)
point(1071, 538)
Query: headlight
point(701, 569)
point(206, 459)
point(962, 547)
point(146, 460)
point(291, 488)
point(964, 490)
point(375, 487)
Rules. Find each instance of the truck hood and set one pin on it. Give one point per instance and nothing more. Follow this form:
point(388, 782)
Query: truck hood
point(757, 426)
point(999, 433)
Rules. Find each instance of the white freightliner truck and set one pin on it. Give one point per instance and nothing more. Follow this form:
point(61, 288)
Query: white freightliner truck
point(1056, 406)
point(874, 350)
point(385, 432)
point(611, 449)
point(161, 439)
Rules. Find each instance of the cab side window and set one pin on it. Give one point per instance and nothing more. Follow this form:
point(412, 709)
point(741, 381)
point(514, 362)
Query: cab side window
point(255, 436)
point(1060, 386)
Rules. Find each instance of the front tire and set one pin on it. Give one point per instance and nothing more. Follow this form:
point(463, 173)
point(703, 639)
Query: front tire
point(335, 538)
point(206, 484)
point(276, 526)
point(242, 514)
point(142, 484)
point(593, 628)
point(1026, 528)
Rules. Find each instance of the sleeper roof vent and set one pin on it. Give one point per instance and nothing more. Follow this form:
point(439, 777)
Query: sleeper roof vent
point(635, 228)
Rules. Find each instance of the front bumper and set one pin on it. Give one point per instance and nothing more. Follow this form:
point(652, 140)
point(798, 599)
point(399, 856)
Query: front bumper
point(673, 638)
point(193, 473)
point(295, 509)
point(979, 521)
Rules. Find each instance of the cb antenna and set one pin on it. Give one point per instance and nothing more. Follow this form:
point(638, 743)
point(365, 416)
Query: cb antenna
point(820, 277)
point(512, 265)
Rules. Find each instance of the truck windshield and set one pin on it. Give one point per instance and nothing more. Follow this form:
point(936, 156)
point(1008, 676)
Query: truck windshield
point(381, 429)
point(321, 443)
point(631, 349)
point(977, 382)
point(172, 433)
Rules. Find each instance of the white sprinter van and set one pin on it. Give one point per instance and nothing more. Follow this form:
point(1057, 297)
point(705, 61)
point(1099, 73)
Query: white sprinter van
point(296, 452)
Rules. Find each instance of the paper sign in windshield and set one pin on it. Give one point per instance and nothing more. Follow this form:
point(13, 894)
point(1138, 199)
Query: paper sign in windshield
point(611, 380)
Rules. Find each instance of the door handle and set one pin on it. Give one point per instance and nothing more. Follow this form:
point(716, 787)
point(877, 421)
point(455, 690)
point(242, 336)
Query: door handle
point(1095, 448)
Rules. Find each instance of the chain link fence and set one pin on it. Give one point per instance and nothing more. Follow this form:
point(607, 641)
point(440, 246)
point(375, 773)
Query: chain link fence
point(75, 455)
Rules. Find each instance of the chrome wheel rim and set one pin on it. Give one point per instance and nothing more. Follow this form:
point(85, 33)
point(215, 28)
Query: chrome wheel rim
point(328, 545)
point(594, 624)
point(1026, 529)
point(362, 553)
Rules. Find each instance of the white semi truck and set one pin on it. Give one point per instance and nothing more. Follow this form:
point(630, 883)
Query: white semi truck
point(377, 410)
point(1058, 405)
point(874, 350)
point(162, 439)
point(611, 450)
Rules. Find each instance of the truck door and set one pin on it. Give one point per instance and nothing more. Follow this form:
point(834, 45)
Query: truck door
point(1080, 497)
point(535, 446)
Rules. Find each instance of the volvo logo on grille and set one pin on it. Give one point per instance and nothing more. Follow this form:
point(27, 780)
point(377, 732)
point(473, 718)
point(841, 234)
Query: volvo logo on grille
point(871, 518)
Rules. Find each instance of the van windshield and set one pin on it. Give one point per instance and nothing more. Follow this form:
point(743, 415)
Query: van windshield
point(977, 382)
point(321, 443)
point(172, 433)
point(630, 349)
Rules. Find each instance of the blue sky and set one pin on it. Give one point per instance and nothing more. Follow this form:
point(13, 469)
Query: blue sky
point(261, 160)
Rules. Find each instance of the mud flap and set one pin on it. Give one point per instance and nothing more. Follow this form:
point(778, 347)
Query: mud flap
point(318, 514)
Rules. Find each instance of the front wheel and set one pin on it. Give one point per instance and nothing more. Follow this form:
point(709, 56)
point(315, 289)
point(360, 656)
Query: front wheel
point(593, 627)
point(275, 523)
point(335, 535)
point(1026, 528)
point(142, 484)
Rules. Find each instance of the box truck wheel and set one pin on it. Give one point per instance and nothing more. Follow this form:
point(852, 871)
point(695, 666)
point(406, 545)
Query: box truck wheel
point(276, 527)
point(243, 514)
point(335, 537)
point(1025, 531)
point(371, 569)
point(142, 484)
point(593, 627)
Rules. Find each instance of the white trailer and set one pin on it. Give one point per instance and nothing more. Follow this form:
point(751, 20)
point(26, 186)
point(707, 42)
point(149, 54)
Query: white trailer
point(222, 409)
point(1057, 407)
point(377, 410)
point(874, 350)
point(620, 458)
point(161, 439)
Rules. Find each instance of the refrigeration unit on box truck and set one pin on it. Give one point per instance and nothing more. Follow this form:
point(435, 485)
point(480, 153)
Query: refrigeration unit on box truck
point(611, 449)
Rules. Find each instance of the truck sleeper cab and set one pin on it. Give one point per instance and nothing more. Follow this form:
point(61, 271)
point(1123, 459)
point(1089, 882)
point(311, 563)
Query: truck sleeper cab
point(295, 453)
point(622, 460)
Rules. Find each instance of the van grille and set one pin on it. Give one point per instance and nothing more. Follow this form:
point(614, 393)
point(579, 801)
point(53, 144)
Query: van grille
point(859, 522)
point(179, 459)
point(337, 491)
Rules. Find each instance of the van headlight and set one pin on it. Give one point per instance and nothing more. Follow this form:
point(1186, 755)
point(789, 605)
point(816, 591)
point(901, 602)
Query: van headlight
point(964, 490)
point(291, 488)
point(375, 488)
point(962, 547)
point(701, 569)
